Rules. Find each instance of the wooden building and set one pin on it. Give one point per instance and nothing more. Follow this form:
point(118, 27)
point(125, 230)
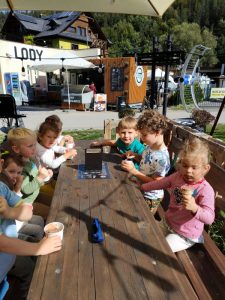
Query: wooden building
point(123, 80)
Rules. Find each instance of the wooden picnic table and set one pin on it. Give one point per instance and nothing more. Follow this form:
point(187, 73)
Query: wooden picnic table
point(133, 262)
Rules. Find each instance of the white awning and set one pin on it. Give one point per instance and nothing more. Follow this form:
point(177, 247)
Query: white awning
point(136, 7)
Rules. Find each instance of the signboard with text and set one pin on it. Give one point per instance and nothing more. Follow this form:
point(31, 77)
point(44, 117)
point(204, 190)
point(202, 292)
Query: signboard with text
point(217, 93)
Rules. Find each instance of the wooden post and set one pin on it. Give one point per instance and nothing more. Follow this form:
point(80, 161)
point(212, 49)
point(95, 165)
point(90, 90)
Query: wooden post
point(107, 129)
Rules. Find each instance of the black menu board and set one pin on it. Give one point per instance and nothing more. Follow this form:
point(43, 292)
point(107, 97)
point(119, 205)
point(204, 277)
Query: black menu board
point(117, 79)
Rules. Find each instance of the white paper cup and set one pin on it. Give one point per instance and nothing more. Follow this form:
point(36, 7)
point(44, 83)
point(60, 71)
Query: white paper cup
point(54, 229)
point(128, 161)
point(47, 179)
point(69, 145)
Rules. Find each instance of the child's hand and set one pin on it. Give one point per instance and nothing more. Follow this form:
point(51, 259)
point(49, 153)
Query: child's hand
point(4, 208)
point(70, 153)
point(19, 181)
point(96, 144)
point(50, 173)
point(42, 173)
point(49, 245)
point(128, 166)
point(68, 138)
point(189, 202)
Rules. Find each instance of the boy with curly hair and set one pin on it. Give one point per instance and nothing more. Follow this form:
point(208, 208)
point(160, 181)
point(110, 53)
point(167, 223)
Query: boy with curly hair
point(155, 162)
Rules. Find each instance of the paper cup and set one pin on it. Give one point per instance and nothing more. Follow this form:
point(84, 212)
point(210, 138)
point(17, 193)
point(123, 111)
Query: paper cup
point(54, 229)
point(128, 161)
point(69, 145)
point(47, 179)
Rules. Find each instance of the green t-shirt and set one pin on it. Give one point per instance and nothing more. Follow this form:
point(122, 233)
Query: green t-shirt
point(31, 186)
point(136, 147)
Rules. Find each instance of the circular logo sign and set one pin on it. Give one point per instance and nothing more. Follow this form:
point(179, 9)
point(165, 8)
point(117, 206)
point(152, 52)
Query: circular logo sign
point(139, 75)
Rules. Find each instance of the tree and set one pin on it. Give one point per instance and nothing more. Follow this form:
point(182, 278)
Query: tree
point(186, 36)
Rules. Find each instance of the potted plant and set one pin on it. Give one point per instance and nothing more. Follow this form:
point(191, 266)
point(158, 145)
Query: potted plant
point(201, 118)
point(126, 112)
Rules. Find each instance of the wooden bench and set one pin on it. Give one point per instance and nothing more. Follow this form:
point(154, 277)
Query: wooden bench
point(203, 264)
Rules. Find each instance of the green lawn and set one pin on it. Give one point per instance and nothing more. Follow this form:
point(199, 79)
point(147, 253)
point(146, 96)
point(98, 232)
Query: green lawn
point(219, 133)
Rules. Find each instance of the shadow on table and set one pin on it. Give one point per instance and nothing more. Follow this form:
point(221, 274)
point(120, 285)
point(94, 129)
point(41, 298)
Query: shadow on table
point(132, 242)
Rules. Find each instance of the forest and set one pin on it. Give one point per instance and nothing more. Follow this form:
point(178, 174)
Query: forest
point(188, 22)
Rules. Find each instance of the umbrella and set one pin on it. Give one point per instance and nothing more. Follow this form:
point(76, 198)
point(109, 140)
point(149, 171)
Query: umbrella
point(64, 59)
point(136, 7)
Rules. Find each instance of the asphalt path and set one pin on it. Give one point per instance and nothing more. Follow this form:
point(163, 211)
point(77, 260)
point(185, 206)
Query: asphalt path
point(73, 119)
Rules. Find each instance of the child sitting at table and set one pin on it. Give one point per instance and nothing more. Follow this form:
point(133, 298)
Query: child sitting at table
point(127, 144)
point(65, 141)
point(155, 161)
point(11, 208)
point(23, 141)
point(48, 133)
point(12, 167)
point(191, 197)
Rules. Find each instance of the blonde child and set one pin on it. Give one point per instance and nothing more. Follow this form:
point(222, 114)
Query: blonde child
point(11, 208)
point(22, 141)
point(191, 197)
point(127, 144)
point(12, 167)
point(155, 161)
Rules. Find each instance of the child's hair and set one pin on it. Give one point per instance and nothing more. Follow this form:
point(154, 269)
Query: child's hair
point(11, 157)
point(197, 148)
point(127, 123)
point(52, 123)
point(54, 118)
point(7, 159)
point(152, 121)
point(17, 135)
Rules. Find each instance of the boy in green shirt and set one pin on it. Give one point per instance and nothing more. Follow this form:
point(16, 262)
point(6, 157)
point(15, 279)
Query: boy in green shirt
point(127, 144)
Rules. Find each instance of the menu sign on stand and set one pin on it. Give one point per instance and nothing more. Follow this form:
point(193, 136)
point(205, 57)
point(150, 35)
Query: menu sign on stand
point(117, 79)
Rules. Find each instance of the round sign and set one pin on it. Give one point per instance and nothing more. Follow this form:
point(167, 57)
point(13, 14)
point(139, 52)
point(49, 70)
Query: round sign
point(139, 75)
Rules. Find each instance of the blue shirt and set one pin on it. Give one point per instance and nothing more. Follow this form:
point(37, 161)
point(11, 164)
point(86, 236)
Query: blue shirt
point(8, 228)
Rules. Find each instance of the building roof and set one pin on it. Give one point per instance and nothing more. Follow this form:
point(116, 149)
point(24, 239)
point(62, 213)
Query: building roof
point(53, 25)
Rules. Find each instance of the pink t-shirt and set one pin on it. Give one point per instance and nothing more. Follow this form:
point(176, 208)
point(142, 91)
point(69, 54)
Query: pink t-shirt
point(181, 220)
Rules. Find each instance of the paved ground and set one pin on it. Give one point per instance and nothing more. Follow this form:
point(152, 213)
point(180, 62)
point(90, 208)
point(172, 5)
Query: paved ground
point(85, 120)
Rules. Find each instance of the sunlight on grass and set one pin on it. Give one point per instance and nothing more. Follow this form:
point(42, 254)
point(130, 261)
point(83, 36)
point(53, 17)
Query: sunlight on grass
point(219, 132)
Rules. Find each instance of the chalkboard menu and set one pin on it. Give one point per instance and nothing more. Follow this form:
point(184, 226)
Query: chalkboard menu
point(117, 79)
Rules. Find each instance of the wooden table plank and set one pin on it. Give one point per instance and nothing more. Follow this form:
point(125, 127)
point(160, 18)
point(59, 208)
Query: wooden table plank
point(133, 262)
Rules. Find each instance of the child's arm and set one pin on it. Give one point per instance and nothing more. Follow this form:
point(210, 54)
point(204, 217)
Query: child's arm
point(20, 247)
point(129, 167)
point(54, 163)
point(163, 183)
point(22, 212)
point(103, 143)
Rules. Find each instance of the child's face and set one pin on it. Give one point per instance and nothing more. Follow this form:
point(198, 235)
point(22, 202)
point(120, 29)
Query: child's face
point(149, 138)
point(12, 171)
point(193, 169)
point(26, 148)
point(48, 139)
point(127, 135)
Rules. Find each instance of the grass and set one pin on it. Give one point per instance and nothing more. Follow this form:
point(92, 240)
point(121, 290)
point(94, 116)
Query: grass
point(216, 231)
point(219, 132)
point(89, 134)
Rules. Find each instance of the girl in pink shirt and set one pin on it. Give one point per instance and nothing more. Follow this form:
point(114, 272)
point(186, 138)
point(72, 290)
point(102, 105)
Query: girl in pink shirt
point(191, 197)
